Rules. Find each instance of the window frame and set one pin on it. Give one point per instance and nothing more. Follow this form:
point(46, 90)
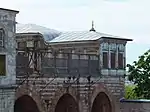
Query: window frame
point(112, 52)
point(19, 45)
point(107, 53)
point(121, 67)
point(4, 54)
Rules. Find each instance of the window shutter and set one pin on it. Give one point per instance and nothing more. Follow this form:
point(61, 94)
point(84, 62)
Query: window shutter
point(21, 44)
point(113, 60)
point(120, 60)
point(105, 60)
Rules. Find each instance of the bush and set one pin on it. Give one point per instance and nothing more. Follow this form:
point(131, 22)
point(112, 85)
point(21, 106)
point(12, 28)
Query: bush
point(130, 92)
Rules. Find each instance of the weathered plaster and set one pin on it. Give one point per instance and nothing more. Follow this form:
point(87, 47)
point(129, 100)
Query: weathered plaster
point(8, 81)
point(9, 47)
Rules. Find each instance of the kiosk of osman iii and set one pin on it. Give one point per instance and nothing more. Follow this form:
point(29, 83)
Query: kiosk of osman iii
point(79, 71)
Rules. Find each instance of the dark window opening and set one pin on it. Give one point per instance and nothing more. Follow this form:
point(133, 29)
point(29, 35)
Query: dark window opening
point(36, 44)
point(105, 60)
point(120, 61)
point(35, 61)
point(2, 65)
point(21, 44)
point(113, 60)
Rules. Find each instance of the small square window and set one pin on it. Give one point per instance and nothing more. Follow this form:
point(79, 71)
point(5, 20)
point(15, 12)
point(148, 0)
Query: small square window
point(2, 65)
point(21, 44)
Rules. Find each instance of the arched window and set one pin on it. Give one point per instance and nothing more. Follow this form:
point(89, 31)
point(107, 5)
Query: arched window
point(2, 34)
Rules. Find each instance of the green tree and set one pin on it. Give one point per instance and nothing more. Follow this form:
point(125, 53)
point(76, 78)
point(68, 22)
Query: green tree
point(130, 92)
point(139, 73)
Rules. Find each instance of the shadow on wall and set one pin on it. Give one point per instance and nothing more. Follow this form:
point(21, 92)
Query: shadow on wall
point(101, 103)
point(66, 104)
point(25, 104)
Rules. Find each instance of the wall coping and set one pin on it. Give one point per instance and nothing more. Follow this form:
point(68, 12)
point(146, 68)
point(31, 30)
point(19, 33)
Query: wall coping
point(135, 101)
point(8, 86)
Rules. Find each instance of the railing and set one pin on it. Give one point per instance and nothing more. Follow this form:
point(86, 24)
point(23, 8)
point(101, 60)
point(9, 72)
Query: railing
point(84, 67)
point(73, 64)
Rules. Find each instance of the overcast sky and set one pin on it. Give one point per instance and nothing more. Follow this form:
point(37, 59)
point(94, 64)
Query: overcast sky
point(125, 18)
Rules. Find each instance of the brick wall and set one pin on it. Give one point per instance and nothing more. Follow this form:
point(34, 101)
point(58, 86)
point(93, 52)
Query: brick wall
point(56, 88)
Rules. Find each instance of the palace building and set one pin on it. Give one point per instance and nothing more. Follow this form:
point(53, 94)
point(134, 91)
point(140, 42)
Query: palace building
point(77, 70)
point(54, 71)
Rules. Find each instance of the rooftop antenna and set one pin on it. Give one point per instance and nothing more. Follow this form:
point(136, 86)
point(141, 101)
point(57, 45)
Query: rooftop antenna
point(92, 29)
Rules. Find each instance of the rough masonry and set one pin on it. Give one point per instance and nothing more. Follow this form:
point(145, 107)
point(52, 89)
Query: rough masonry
point(8, 59)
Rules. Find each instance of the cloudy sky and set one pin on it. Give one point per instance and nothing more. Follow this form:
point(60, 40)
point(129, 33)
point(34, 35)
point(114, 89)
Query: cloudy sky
point(125, 18)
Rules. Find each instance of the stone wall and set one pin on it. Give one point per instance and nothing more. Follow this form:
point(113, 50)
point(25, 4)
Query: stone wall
point(7, 99)
point(8, 49)
point(135, 106)
point(115, 85)
point(7, 23)
point(52, 90)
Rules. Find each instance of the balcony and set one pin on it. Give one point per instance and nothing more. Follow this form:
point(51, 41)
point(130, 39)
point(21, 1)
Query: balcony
point(62, 67)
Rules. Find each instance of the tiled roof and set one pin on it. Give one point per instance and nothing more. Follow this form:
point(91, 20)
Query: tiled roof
point(54, 36)
point(78, 36)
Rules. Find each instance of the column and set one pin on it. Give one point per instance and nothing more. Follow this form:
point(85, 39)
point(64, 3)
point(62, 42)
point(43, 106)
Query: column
point(109, 56)
point(100, 57)
point(124, 56)
point(117, 56)
point(73, 56)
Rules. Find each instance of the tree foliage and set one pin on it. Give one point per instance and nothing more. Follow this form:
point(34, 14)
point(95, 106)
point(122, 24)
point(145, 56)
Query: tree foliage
point(139, 73)
point(130, 92)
